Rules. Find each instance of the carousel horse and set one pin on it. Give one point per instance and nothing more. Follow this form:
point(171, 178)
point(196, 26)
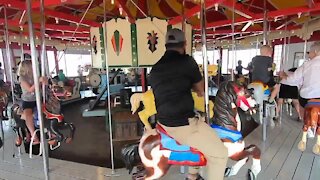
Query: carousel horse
point(311, 120)
point(3, 105)
point(261, 94)
point(54, 122)
point(158, 150)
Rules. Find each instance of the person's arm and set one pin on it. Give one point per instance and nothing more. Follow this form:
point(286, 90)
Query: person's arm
point(25, 85)
point(295, 78)
point(199, 88)
point(194, 74)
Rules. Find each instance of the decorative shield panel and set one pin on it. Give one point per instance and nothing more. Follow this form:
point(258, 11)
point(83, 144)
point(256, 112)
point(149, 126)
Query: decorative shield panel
point(119, 44)
point(150, 40)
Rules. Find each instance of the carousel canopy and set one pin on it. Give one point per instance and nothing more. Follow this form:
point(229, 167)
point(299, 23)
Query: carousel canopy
point(63, 16)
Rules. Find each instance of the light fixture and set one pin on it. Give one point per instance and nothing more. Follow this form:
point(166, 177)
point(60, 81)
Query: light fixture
point(57, 20)
point(198, 15)
point(21, 28)
point(246, 26)
point(216, 7)
point(112, 2)
point(14, 37)
point(275, 19)
point(120, 10)
point(299, 15)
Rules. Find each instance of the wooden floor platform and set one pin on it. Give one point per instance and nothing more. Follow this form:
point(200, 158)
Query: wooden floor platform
point(280, 160)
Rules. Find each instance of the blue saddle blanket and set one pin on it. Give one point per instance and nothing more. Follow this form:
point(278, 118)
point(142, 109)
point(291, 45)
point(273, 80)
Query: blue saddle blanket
point(225, 133)
point(180, 153)
point(313, 103)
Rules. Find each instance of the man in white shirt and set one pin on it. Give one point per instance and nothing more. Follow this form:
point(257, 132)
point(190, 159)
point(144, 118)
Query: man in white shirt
point(307, 77)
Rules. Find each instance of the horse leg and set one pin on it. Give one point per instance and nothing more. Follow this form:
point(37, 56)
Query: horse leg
point(316, 147)
point(54, 128)
point(71, 128)
point(242, 158)
point(302, 144)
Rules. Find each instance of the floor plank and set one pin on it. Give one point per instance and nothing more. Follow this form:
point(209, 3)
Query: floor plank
point(315, 173)
point(280, 157)
point(305, 164)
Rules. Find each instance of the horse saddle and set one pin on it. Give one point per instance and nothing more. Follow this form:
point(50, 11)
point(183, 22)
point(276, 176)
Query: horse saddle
point(224, 133)
point(48, 116)
point(265, 88)
point(180, 154)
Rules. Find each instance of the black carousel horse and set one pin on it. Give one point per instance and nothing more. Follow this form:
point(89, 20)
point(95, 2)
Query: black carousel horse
point(53, 121)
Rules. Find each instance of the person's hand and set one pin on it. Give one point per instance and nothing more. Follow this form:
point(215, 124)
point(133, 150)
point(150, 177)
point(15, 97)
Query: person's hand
point(43, 80)
point(282, 74)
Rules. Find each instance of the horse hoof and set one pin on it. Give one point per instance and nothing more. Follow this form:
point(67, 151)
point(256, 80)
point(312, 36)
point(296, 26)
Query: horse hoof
point(68, 140)
point(227, 172)
point(251, 175)
point(302, 146)
point(316, 149)
point(18, 141)
point(52, 142)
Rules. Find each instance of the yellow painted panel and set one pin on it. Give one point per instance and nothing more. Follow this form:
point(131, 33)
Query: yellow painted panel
point(281, 4)
point(132, 8)
point(155, 9)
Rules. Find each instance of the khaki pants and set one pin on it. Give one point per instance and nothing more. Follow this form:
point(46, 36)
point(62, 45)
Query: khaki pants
point(201, 136)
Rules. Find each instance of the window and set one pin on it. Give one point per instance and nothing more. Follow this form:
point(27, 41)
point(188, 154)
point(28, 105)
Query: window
point(277, 56)
point(69, 63)
point(2, 65)
point(245, 55)
point(212, 56)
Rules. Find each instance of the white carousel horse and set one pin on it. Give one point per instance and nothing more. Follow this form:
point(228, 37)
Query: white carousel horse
point(158, 150)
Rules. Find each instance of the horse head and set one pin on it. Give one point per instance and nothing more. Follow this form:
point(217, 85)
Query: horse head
point(231, 96)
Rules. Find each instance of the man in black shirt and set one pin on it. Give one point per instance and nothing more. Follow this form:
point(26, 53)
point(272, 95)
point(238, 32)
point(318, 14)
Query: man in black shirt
point(172, 78)
point(262, 69)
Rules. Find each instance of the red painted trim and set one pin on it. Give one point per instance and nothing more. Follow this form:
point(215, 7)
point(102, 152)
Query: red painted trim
point(36, 4)
point(193, 11)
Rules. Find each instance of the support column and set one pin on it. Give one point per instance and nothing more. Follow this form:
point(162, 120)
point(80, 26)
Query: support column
point(144, 82)
point(56, 60)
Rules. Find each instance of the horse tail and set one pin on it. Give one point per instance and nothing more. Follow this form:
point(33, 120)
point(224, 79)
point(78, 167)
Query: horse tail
point(156, 165)
point(135, 100)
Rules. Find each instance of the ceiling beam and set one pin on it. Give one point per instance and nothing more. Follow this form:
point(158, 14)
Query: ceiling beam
point(193, 11)
point(50, 27)
point(238, 8)
point(258, 17)
point(68, 18)
point(69, 35)
point(55, 14)
point(249, 30)
point(36, 4)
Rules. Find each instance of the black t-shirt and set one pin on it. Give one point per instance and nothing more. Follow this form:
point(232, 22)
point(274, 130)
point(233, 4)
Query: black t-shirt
point(239, 70)
point(171, 79)
point(260, 66)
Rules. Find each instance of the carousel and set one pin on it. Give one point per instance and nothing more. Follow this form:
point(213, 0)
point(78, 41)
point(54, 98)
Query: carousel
point(117, 127)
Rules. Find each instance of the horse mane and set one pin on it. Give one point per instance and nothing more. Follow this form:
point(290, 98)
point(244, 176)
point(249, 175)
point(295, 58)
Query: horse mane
point(224, 113)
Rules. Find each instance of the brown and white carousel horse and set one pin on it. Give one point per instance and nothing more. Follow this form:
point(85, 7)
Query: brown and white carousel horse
point(311, 120)
point(158, 150)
